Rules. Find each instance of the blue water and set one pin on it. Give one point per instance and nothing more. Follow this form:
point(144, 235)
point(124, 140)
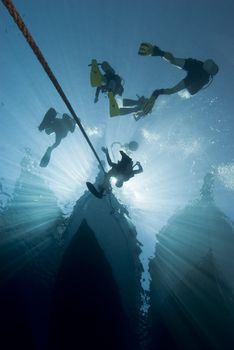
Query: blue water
point(179, 142)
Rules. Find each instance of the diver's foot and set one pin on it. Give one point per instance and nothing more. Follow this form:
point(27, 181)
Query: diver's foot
point(157, 51)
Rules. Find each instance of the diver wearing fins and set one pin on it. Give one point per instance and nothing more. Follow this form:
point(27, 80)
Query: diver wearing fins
point(199, 73)
point(122, 171)
point(61, 127)
point(107, 82)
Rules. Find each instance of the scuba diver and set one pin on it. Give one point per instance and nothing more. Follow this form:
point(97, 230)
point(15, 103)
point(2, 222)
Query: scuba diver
point(122, 171)
point(60, 127)
point(109, 82)
point(199, 74)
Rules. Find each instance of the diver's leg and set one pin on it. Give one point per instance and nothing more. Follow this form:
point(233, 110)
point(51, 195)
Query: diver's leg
point(58, 139)
point(125, 111)
point(168, 56)
point(98, 89)
point(46, 158)
point(129, 102)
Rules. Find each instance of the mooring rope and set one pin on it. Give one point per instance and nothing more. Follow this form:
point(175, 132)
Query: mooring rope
point(21, 25)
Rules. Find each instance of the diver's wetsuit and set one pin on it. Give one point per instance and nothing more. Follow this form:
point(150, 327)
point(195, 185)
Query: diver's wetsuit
point(196, 77)
point(132, 105)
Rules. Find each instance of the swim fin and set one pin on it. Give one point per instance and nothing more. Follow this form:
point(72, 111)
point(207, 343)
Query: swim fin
point(46, 158)
point(114, 108)
point(93, 190)
point(95, 74)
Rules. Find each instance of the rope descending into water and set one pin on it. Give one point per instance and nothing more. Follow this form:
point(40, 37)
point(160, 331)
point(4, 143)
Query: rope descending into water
point(21, 25)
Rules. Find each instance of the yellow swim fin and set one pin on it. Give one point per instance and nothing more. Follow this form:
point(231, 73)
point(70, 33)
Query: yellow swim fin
point(95, 74)
point(114, 108)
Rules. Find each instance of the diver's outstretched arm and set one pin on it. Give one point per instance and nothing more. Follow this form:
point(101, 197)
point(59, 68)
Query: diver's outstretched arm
point(139, 170)
point(109, 161)
point(129, 110)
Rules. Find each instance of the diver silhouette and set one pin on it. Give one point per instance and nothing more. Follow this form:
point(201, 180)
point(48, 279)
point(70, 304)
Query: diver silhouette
point(199, 74)
point(122, 171)
point(61, 127)
point(107, 82)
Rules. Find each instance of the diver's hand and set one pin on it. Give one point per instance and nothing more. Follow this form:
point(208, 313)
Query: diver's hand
point(140, 168)
point(104, 149)
point(145, 49)
point(96, 99)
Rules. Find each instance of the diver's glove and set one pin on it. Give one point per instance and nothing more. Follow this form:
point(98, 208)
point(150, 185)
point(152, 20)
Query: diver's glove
point(145, 49)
